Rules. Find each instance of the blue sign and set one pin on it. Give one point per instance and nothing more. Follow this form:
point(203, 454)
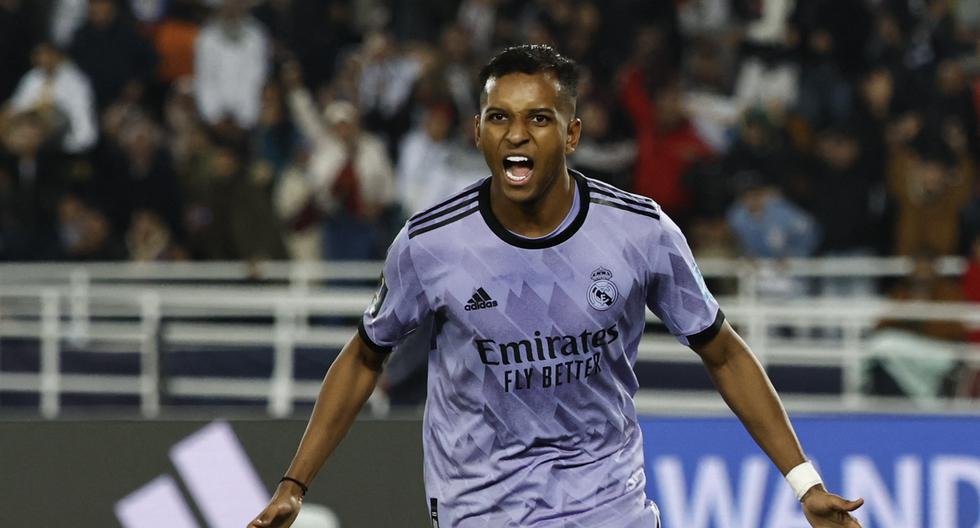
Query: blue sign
point(913, 472)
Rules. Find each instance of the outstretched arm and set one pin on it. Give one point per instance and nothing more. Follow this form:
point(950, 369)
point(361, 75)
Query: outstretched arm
point(744, 385)
point(347, 385)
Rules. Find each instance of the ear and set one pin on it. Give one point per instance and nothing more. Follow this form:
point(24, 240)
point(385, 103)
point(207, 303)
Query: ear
point(574, 134)
point(476, 128)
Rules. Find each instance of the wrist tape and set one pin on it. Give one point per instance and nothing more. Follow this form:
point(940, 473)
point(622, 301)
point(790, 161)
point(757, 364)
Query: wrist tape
point(802, 478)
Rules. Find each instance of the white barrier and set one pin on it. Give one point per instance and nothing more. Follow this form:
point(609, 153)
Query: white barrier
point(124, 304)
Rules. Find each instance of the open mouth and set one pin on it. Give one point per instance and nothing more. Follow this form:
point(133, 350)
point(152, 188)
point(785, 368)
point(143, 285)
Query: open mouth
point(518, 169)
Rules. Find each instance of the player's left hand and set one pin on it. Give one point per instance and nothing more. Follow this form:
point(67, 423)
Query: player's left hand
point(826, 510)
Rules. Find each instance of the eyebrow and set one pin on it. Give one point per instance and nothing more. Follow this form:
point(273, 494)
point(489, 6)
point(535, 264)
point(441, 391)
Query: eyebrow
point(542, 110)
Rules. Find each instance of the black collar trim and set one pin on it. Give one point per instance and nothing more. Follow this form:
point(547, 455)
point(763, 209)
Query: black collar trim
point(536, 243)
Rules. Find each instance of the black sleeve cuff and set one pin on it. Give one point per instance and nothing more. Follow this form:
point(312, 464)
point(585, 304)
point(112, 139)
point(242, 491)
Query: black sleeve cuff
point(705, 336)
point(383, 350)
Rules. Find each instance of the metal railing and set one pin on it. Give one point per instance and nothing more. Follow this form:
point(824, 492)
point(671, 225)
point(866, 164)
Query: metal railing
point(114, 308)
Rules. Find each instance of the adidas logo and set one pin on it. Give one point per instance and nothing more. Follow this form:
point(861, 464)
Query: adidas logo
point(221, 482)
point(480, 300)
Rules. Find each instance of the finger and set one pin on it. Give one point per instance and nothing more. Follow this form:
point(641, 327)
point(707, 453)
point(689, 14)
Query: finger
point(266, 518)
point(262, 521)
point(851, 505)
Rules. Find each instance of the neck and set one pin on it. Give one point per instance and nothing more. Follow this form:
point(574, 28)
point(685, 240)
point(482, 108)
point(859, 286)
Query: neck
point(537, 217)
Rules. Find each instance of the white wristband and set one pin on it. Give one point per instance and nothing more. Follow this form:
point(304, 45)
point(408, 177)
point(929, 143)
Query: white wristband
point(802, 478)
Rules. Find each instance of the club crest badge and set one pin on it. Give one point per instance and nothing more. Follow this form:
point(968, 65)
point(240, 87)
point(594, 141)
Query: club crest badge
point(602, 292)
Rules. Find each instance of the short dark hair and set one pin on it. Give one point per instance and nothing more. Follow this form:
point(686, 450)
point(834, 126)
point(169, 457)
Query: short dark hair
point(531, 59)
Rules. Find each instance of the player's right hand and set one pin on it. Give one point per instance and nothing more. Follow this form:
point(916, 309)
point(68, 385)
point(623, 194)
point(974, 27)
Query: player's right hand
point(281, 511)
point(826, 510)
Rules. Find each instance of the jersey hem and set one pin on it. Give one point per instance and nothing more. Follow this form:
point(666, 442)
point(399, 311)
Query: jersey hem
point(362, 332)
point(705, 336)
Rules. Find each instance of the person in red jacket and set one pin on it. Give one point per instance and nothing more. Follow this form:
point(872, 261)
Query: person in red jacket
point(971, 282)
point(667, 143)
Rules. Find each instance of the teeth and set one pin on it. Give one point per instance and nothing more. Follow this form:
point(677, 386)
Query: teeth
point(517, 159)
point(515, 179)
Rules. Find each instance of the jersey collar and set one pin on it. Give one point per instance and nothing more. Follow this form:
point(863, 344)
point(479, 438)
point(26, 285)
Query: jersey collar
point(536, 243)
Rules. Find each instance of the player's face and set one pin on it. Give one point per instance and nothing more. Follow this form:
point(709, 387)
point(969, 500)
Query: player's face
point(525, 129)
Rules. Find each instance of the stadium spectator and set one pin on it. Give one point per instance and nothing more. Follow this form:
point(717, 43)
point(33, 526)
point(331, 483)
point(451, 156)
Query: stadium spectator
point(708, 76)
point(18, 34)
point(954, 106)
point(931, 183)
point(180, 118)
point(605, 152)
point(845, 197)
point(761, 145)
point(234, 218)
point(275, 137)
point(932, 38)
point(916, 358)
point(118, 61)
point(458, 69)
point(479, 19)
point(66, 17)
point(423, 172)
point(230, 66)
point(841, 189)
point(768, 225)
point(150, 240)
point(430, 89)
point(298, 213)
point(767, 76)
point(385, 86)
point(147, 12)
point(876, 109)
point(84, 232)
point(830, 32)
point(349, 173)
point(57, 90)
point(31, 179)
point(704, 17)
point(886, 45)
point(971, 281)
point(699, 78)
point(321, 33)
point(713, 192)
point(667, 144)
point(825, 92)
point(148, 180)
point(174, 39)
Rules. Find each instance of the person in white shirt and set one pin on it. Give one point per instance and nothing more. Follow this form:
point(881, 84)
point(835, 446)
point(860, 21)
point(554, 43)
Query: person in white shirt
point(61, 93)
point(424, 171)
point(66, 17)
point(230, 66)
point(349, 173)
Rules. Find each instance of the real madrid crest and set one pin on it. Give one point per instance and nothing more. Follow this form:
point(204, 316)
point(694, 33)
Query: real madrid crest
point(602, 292)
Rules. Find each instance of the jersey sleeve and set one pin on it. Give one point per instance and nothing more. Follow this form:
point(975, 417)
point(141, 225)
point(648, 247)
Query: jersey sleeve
point(400, 303)
point(676, 292)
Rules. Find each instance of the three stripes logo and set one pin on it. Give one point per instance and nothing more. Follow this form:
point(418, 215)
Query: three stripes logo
point(221, 481)
point(480, 300)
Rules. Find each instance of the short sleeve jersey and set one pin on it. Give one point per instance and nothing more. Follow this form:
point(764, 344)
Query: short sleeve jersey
point(529, 418)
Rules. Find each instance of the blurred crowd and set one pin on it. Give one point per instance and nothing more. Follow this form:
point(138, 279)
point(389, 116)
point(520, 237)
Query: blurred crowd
point(307, 129)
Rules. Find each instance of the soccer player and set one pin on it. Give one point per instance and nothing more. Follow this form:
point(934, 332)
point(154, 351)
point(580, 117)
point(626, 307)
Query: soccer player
point(538, 279)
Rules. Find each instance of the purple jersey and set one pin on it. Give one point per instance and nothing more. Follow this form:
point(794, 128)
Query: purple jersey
point(529, 419)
